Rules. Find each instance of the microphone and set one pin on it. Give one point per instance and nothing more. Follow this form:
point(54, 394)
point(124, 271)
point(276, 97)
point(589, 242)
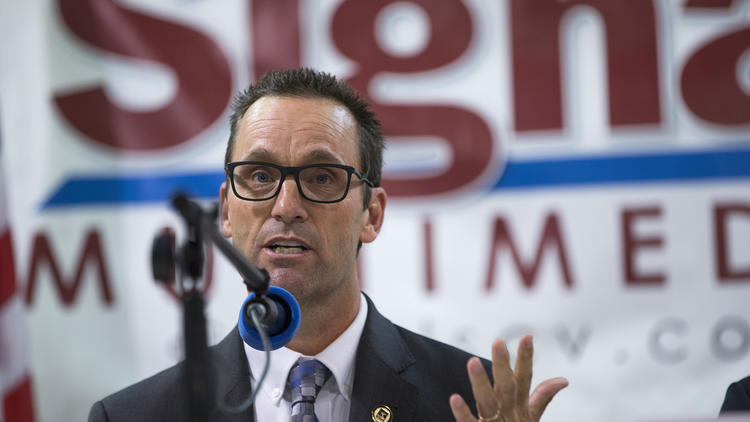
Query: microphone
point(279, 315)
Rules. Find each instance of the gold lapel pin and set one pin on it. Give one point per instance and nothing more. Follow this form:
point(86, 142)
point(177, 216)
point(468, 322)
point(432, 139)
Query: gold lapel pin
point(382, 414)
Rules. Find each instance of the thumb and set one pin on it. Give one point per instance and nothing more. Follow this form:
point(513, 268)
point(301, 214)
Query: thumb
point(543, 394)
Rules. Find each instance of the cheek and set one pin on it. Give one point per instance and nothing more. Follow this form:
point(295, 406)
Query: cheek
point(245, 221)
point(346, 228)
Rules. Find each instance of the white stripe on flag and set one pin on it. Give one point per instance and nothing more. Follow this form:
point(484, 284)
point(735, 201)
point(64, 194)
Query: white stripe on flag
point(3, 200)
point(15, 394)
point(14, 360)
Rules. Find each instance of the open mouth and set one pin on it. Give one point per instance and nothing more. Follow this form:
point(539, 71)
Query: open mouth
point(287, 248)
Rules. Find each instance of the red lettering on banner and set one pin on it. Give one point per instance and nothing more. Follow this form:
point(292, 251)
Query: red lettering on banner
point(204, 79)
point(276, 35)
point(632, 61)
point(467, 135)
point(17, 404)
point(710, 84)
point(722, 213)
point(633, 243)
point(7, 267)
point(551, 237)
point(67, 287)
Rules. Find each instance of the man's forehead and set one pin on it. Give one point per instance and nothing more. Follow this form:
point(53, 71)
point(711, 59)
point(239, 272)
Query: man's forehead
point(315, 129)
point(297, 109)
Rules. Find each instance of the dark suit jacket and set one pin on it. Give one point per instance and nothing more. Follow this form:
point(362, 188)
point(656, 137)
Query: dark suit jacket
point(411, 374)
point(738, 397)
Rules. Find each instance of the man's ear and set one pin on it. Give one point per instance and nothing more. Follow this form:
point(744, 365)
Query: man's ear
point(373, 216)
point(226, 226)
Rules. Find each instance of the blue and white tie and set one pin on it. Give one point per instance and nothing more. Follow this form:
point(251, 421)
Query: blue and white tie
point(305, 381)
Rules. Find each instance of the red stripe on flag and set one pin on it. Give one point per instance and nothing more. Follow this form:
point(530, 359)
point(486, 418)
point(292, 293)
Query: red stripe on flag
point(7, 269)
point(17, 403)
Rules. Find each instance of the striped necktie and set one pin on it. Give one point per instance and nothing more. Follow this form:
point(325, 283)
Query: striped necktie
point(305, 381)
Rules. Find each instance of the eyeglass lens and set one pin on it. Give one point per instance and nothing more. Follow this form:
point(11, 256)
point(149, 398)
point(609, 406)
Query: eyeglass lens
point(257, 181)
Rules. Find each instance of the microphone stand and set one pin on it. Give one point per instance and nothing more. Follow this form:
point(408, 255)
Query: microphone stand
point(255, 279)
point(200, 383)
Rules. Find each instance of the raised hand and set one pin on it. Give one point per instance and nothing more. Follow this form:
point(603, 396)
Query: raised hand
point(508, 400)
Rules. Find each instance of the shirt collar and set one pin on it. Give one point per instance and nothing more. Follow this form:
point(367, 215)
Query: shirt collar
point(338, 357)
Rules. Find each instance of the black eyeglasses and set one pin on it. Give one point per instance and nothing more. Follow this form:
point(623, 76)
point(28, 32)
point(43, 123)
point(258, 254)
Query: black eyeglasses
point(259, 181)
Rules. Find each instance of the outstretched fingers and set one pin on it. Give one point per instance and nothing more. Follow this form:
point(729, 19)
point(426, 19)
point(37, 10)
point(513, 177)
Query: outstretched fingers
point(508, 400)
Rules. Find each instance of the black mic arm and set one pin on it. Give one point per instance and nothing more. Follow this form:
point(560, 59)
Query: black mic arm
point(256, 280)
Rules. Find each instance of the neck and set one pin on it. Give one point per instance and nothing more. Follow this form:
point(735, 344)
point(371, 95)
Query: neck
point(323, 323)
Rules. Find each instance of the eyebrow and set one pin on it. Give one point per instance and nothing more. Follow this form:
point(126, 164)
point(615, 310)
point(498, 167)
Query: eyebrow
point(260, 154)
point(315, 156)
point(321, 155)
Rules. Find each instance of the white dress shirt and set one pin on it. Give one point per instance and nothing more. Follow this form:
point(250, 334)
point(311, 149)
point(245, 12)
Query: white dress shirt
point(334, 399)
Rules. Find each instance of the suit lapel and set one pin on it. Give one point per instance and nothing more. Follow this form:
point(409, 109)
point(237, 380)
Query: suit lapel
point(233, 386)
point(381, 357)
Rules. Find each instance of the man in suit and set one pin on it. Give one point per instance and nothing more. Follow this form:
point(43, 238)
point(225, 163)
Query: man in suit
point(301, 197)
point(737, 398)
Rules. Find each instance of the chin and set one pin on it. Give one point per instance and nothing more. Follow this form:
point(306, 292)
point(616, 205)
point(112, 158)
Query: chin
point(289, 280)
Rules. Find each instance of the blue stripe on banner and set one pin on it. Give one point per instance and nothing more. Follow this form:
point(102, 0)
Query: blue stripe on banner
point(518, 174)
point(134, 189)
point(674, 166)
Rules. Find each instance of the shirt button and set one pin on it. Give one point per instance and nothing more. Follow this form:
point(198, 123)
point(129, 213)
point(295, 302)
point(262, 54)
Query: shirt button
point(276, 393)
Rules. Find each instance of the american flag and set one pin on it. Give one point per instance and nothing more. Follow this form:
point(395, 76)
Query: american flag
point(15, 383)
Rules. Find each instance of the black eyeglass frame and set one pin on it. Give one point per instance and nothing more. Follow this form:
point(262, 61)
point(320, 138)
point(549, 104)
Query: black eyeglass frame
point(295, 170)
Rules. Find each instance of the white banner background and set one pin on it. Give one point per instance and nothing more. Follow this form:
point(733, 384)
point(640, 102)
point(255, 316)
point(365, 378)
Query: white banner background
point(656, 352)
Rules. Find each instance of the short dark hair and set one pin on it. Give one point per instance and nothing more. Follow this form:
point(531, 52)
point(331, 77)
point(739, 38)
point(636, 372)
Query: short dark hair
point(310, 83)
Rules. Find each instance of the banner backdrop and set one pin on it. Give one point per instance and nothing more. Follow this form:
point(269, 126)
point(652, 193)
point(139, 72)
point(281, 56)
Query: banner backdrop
point(578, 170)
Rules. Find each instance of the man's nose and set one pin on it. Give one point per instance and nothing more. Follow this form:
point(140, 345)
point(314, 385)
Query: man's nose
point(289, 205)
